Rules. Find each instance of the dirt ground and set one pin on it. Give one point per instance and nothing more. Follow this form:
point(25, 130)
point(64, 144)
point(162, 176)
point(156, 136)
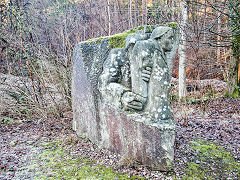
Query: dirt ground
point(211, 125)
point(216, 120)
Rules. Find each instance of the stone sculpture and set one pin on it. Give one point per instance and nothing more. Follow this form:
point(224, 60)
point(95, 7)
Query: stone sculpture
point(125, 81)
point(120, 95)
point(115, 81)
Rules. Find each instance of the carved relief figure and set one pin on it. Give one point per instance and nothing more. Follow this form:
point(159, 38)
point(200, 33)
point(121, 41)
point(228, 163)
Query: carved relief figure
point(137, 76)
point(159, 85)
point(115, 81)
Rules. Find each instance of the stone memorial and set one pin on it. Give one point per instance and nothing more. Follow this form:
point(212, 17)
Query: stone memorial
point(120, 92)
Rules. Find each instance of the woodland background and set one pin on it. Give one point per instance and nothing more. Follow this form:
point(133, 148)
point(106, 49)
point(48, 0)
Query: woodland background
point(37, 38)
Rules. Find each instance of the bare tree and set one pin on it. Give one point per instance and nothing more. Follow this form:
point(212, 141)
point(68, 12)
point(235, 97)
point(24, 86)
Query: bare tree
point(182, 51)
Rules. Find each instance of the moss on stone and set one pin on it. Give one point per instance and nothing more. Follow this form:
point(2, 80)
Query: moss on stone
point(172, 24)
point(119, 40)
point(115, 41)
point(95, 40)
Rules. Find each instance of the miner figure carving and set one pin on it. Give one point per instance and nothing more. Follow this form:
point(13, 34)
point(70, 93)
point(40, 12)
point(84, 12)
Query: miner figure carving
point(136, 78)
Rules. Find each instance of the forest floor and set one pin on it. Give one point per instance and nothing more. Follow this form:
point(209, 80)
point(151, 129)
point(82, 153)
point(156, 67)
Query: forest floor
point(207, 141)
point(207, 145)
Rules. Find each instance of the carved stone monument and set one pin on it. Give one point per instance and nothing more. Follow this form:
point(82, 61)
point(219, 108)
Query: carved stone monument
point(121, 95)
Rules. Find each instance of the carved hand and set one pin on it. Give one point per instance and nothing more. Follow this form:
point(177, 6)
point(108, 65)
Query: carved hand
point(146, 73)
point(132, 101)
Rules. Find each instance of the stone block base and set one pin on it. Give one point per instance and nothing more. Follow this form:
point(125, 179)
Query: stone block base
point(143, 137)
point(152, 146)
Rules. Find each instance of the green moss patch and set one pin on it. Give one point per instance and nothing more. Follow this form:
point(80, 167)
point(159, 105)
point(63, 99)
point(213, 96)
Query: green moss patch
point(211, 162)
point(119, 40)
point(115, 41)
point(55, 162)
point(95, 40)
point(172, 24)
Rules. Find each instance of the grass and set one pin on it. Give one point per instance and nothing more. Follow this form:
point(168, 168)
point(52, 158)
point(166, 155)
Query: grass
point(6, 120)
point(55, 162)
point(211, 162)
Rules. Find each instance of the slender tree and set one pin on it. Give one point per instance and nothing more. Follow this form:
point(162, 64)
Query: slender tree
point(234, 78)
point(182, 51)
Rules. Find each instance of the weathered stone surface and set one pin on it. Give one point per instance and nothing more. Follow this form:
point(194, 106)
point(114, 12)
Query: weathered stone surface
point(88, 60)
point(120, 96)
point(151, 145)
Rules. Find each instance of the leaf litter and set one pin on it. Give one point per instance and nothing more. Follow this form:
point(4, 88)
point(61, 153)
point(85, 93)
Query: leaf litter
point(217, 121)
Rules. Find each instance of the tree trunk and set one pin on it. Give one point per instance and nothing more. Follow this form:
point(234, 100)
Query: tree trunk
point(115, 15)
point(233, 79)
point(130, 14)
point(109, 17)
point(135, 13)
point(144, 12)
point(182, 53)
point(234, 76)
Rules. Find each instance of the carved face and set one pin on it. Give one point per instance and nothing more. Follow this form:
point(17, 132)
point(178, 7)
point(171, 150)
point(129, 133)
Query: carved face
point(166, 41)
